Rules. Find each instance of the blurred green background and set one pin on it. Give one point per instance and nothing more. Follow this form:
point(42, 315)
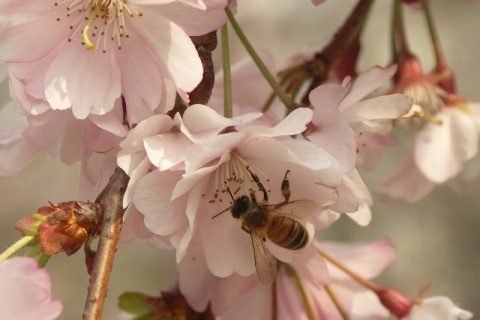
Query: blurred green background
point(438, 239)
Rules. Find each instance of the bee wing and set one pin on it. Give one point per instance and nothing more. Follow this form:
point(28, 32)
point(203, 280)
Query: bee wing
point(299, 209)
point(265, 262)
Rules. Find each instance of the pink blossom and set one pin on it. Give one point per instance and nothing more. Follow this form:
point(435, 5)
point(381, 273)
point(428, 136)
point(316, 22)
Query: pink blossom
point(221, 162)
point(236, 297)
point(161, 144)
point(58, 133)
point(439, 153)
point(130, 47)
point(26, 291)
point(346, 116)
point(437, 308)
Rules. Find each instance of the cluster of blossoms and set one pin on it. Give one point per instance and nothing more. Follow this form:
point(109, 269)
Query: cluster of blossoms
point(109, 84)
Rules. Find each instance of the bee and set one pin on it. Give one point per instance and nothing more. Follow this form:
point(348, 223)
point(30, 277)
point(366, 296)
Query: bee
point(276, 222)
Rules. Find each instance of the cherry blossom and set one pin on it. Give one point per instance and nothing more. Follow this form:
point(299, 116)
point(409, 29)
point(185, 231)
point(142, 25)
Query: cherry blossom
point(437, 308)
point(350, 108)
point(58, 133)
point(439, 152)
point(229, 296)
point(26, 291)
point(83, 55)
point(222, 162)
point(162, 143)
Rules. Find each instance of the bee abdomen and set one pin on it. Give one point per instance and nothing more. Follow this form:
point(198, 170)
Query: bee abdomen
point(287, 233)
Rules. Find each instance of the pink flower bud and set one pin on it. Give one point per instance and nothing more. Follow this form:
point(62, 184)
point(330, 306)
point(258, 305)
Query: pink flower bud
point(398, 303)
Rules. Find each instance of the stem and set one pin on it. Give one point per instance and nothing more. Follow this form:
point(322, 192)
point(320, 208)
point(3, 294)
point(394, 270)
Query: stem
point(17, 246)
point(433, 35)
point(293, 273)
point(111, 201)
point(403, 50)
point(227, 75)
point(364, 282)
point(43, 259)
point(322, 62)
point(348, 31)
point(274, 301)
point(287, 101)
point(337, 304)
point(393, 30)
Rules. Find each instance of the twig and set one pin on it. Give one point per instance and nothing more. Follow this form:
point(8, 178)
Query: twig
point(111, 201)
point(205, 45)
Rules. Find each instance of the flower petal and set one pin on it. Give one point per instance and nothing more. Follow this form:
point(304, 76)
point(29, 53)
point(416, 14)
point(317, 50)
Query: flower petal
point(443, 147)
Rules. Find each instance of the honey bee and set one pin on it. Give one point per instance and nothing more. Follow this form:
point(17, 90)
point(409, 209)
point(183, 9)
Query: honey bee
point(276, 222)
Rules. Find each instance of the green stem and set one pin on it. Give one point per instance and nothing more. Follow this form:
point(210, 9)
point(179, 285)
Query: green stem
point(337, 304)
point(42, 260)
point(17, 246)
point(286, 99)
point(433, 35)
point(393, 30)
point(227, 75)
point(293, 273)
point(35, 250)
point(403, 49)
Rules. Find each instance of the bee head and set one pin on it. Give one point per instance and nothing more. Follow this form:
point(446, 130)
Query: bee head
point(240, 206)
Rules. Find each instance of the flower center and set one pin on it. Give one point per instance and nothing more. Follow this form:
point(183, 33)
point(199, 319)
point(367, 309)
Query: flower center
point(98, 19)
point(233, 175)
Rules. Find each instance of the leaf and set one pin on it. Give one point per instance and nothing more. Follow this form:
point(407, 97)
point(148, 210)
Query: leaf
point(135, 303)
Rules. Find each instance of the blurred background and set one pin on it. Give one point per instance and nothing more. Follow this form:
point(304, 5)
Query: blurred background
point(437, 239)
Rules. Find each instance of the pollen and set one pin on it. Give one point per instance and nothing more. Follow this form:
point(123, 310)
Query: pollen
point(97, 19)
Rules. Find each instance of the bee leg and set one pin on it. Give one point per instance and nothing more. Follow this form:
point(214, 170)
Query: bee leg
point(244, 228)
point(286, 187)
point(259, 184)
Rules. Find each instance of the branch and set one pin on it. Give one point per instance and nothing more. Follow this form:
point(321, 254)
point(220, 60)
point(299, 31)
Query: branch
point(111, 201)
point(205, 45)
point(322, 62)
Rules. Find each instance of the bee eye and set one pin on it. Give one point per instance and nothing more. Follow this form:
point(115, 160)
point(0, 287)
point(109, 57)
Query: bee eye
point(244, 200)
point(240, 206)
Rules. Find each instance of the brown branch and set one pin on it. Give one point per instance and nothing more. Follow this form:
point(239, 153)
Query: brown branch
point(323, 61)
point(111, 201)
point(205, 45)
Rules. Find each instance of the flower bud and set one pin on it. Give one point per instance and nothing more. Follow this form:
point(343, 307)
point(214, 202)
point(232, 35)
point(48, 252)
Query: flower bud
point(398, 303)
point(61, 227)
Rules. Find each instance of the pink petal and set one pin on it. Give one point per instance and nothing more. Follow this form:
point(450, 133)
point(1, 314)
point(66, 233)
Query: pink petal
point(22, 23)
point(152, 198)
point(141, 97)
point(175, 53)
point(89, 82)
point(228, 249)
point(18, 157)
point(441, 150)
point(196, 281)
point(368, 259)
point(332, 130)
point(202, 122)
point(383, 107)
point(407, 183)
point(26, 291)
point(365, 84)
point(196, 21)
point(111, 121)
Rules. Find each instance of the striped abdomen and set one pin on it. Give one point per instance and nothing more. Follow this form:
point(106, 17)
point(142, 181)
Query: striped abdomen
point(287, 233)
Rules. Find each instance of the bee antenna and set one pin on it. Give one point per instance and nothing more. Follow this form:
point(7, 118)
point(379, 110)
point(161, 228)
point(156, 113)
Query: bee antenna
point(221, 212)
